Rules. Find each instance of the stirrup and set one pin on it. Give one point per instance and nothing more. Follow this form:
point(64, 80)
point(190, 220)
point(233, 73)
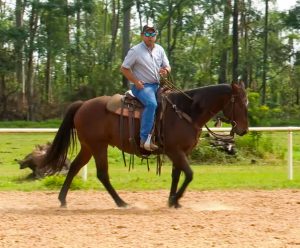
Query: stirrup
point(149, 145)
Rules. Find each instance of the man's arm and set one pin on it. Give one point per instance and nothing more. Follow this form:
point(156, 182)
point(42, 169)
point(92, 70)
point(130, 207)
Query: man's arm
point(165, 68)
point(129, 75)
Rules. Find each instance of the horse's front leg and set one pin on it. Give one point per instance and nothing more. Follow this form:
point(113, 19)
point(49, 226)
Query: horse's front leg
point(100, 156)
point(180, 163)
point(175, 179)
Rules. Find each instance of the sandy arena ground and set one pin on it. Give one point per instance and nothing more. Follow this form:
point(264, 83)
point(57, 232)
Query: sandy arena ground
point(238, 218)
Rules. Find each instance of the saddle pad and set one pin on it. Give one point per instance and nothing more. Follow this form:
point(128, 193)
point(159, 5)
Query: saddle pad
point(114, 105)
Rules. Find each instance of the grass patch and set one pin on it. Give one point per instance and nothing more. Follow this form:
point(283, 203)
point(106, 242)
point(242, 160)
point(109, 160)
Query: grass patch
point(268, 172)
point(31, 124)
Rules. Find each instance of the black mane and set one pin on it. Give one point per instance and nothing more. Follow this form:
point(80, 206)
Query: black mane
point(211, 89)
point(201, 96)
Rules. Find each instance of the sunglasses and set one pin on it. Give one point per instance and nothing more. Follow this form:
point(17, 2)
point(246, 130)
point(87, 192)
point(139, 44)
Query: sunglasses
point(149, 34)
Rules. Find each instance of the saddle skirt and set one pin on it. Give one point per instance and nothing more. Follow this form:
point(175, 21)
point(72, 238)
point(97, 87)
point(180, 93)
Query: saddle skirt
point(126, 105)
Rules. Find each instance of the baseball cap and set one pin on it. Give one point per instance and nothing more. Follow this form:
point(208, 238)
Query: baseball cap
point(147, 28)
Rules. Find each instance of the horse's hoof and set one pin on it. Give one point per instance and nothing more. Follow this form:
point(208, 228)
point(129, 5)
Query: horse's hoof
point(63, 204)
point(122, 204)
point(173, 202)
point(177, 205)
point(174, 205)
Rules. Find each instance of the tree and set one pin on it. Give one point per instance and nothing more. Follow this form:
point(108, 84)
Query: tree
point(126, 32)
point(53, 20)
point(73, 49)
point(33, 25)
point(265, 53)
point(235, 42)
point(224, 46)
point(19, 45)
point(114, 29)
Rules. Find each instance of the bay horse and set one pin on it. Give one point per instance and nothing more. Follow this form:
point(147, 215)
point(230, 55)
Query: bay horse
point(96, 128)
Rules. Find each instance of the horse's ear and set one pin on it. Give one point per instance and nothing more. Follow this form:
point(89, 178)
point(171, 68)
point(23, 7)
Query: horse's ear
point(235, 87)
point(242, 84)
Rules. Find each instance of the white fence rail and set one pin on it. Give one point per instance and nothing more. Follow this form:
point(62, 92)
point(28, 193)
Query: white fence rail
point(289, 130)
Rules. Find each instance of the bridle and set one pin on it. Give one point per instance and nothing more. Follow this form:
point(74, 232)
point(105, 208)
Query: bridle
point(222, 137)
point(226, 137)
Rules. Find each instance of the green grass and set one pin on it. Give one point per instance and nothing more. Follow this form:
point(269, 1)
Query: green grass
point(268, 172)
point(30, 124)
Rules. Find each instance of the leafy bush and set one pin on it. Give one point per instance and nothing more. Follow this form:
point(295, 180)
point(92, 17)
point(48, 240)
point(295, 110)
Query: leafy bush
point(208, 154)
point(253, 146)
point(263, 115)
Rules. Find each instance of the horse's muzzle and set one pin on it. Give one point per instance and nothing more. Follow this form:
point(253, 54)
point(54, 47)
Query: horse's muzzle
point(239, 131)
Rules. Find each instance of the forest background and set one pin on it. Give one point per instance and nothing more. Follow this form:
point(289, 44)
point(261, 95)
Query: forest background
point(53, 52)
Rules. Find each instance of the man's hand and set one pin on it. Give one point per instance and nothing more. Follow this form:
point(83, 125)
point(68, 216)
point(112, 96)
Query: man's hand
point(139, 85)
point(163, 71)
point(129, 75)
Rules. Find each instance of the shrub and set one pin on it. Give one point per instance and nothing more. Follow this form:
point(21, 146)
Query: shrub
point(253, 146)
point(208, 154)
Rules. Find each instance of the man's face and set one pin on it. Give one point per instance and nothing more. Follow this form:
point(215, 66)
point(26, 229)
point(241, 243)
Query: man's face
point(149, 37)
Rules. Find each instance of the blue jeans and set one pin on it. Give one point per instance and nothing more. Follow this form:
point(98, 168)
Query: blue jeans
point(147, 96)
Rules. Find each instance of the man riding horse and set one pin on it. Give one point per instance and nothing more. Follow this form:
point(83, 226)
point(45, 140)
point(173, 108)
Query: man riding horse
point(143, 66)
point(185, 113)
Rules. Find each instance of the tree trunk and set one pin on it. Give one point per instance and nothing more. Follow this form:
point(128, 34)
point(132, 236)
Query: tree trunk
point(3, 100)
point(235, 42)
point(245, 36)
point(114, 29)
point(225, 48)
point(126, 33)
point(138, 8)
point(33, 21)
point(77, 39)
point(169, 27)
point(48, 76)
point(176, 31)
point(19, 47)
point(68, 52)
point(265, 54)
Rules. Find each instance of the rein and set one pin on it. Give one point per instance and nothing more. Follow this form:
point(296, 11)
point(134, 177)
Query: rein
point(180, 113)
point(169, 82)
point(222, 137)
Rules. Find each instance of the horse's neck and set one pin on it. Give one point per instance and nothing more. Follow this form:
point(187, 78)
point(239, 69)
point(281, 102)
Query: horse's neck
point(209, 105)
point(203, 118)
point(206, 102)
point(182, 102)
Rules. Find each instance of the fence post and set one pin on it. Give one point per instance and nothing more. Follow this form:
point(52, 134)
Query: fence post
point(290, 155)
point(84, 173)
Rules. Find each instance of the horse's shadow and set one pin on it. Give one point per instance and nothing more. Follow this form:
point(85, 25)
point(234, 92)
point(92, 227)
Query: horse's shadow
point(57, 211)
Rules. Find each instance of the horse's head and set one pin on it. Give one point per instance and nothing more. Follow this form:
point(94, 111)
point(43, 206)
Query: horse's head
point(236, 110)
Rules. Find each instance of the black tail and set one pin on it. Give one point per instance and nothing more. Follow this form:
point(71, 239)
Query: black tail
point(66, 135)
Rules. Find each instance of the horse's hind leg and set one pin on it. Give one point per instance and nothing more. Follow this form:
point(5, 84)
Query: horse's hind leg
point(100, 155)
point(81, 159)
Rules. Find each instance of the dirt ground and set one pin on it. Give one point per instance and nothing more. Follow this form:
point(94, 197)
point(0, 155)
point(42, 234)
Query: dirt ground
point(237, 218)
